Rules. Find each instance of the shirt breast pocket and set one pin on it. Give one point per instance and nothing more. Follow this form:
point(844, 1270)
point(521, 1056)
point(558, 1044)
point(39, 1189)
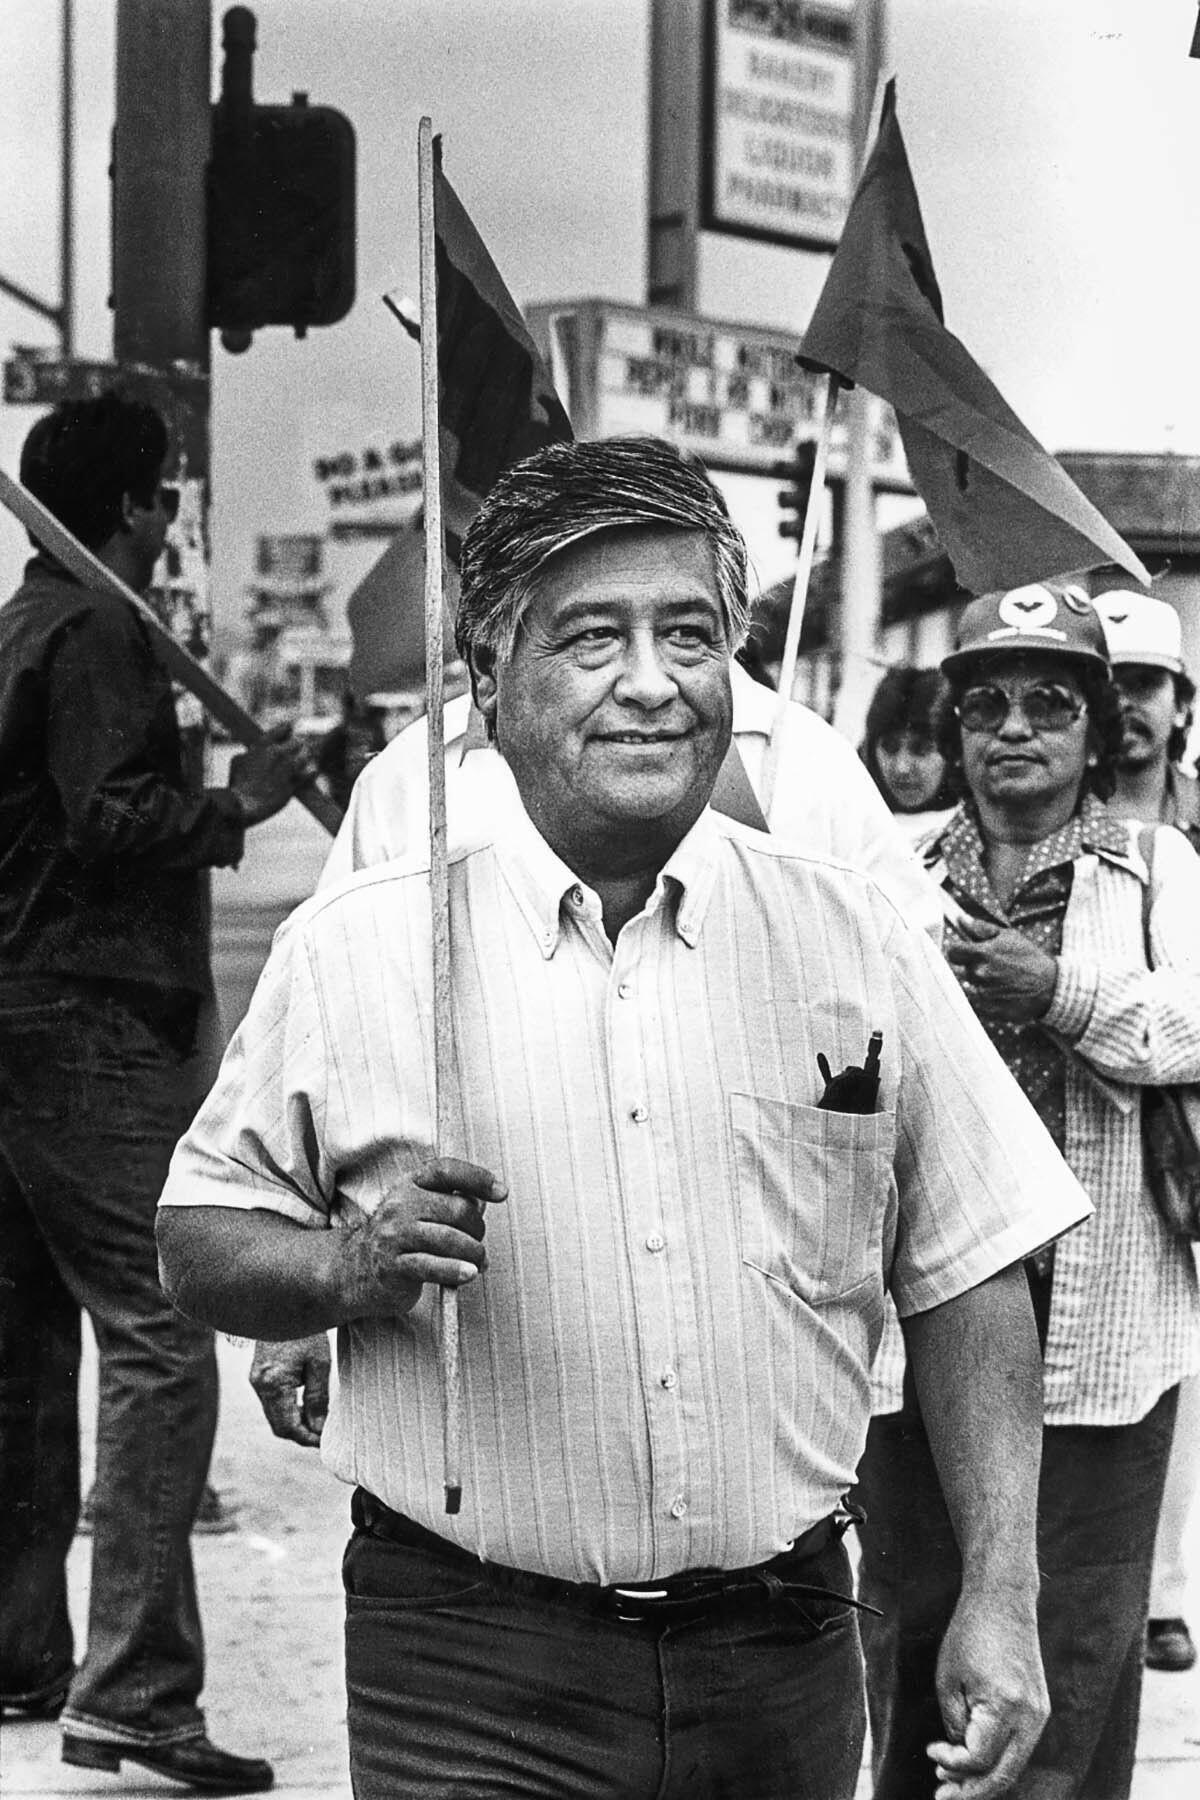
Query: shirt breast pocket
point(812, 1189)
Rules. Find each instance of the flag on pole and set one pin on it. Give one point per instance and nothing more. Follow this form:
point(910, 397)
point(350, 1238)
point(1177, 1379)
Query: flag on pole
point(496, 404)
point(1006, 511)
point(496, 399)
point(386, 616)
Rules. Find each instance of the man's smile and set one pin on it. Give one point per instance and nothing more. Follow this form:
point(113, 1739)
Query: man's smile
point(640, 738)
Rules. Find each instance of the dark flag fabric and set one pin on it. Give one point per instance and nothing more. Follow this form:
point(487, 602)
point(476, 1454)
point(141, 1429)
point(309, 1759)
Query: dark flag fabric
point(496, 404)
point(1006, 511)
point(496, 399)
point(386, 616)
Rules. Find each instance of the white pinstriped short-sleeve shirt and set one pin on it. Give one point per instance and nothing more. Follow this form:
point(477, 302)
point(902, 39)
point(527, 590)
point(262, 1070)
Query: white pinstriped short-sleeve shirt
point(666, 1361)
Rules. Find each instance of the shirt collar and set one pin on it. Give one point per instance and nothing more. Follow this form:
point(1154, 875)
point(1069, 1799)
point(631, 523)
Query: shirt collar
point(754, 706)
point(543, 884)
point(1091, 829)
point(1183, 797)
point(1102, 832)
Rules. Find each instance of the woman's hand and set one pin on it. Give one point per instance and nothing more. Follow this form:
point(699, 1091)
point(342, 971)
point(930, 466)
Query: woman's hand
point(1003, 974)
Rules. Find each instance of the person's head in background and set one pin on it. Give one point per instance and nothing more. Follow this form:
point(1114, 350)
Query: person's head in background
point(97, 465)
point(1145, 643)
point(899, 744)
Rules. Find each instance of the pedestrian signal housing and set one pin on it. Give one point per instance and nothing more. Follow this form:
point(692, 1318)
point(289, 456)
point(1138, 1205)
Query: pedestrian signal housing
point(281, 205)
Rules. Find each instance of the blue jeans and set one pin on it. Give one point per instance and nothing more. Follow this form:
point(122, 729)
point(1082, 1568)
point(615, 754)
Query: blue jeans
point(92, 1101)
point(459, 1687)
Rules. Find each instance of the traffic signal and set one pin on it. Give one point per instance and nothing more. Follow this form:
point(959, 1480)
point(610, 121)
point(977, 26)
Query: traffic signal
point(281, 185)
point(793, 499)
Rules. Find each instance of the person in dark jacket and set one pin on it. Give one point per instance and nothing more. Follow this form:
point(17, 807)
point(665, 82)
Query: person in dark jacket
point(104, 978)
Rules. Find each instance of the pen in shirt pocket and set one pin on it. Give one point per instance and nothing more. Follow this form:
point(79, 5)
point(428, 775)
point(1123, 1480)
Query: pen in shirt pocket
point(855, 1090)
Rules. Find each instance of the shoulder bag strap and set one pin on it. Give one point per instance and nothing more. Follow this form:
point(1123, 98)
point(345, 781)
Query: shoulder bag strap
point(1145, 839)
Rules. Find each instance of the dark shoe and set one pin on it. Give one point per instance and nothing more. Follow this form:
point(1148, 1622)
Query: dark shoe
point(214, 1516)
point(1169, 1645)
point(195, 1762)
point(46, 1706)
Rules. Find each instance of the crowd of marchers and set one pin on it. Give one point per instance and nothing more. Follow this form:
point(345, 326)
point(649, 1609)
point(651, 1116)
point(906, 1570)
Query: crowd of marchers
point(791, 1175)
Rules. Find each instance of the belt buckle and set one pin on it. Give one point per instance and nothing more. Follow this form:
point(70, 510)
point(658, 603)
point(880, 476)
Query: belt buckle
point(644, 1598)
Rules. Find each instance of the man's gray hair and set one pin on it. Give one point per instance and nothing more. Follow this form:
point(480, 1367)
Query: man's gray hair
point(543, 505)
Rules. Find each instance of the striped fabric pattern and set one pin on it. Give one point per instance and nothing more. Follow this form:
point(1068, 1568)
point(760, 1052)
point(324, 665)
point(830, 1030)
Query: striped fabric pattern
point(666, 1361)
point(1125, 1317)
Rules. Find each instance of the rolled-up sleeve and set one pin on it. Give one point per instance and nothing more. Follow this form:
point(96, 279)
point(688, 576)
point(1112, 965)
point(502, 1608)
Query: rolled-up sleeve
point(257, 1140)
point(1129, 1022)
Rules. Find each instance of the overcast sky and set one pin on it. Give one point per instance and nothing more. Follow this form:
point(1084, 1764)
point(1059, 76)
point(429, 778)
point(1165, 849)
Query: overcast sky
point(1055, 146)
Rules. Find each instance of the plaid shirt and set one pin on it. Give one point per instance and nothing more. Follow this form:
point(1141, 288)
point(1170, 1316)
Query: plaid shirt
point(1125, 1317)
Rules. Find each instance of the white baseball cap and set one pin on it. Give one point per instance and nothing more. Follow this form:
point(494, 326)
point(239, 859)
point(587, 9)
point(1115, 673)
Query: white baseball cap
point(1141, 629)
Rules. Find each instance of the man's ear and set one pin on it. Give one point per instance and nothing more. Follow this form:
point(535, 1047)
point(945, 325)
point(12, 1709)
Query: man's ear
point(127, 506)
point(481, 662)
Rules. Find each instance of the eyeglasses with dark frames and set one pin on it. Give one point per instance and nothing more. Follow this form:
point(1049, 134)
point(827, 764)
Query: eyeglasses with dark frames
point(1045, 707)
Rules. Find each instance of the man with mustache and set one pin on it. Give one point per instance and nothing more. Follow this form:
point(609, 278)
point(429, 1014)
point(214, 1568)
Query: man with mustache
point(1156, 695)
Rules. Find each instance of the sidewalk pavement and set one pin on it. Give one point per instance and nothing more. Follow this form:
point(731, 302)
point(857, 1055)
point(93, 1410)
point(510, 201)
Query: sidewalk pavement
point(271, 1600)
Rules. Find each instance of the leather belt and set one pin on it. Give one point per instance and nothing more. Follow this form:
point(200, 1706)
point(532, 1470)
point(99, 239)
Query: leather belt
point(675, 1597)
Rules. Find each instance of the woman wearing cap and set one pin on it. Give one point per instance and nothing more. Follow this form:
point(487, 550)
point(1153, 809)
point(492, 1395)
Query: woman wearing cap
point(1044, 901)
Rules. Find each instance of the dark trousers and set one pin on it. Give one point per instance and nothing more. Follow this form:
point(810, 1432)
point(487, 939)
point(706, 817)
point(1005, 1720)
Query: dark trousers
point(92, 1101)
point(1098, 1501)
point(460, 1687)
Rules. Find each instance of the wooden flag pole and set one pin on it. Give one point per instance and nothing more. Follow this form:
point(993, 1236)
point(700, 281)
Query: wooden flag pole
point(81, 562)
point(439, 881)
point(804, 563)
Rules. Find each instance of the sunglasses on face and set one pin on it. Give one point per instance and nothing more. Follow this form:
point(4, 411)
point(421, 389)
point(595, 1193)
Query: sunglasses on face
point(168, 499)
point(1045, 707)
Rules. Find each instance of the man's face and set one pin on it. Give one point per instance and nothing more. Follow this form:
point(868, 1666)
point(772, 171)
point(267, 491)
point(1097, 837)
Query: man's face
point(1150, 712)
point(1018, 763)
point(614, 711)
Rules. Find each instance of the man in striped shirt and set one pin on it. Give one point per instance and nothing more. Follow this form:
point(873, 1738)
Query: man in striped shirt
point(666, 1345)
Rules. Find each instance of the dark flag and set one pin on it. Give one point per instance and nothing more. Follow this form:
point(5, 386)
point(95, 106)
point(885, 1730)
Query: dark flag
point(496, 404)
point(386, 616)
point(1006, 511)
point(496, 400)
